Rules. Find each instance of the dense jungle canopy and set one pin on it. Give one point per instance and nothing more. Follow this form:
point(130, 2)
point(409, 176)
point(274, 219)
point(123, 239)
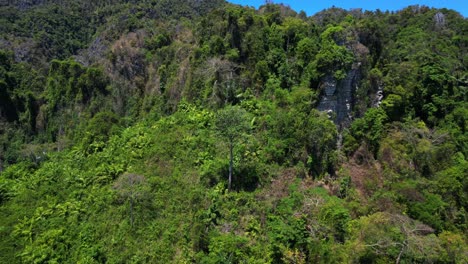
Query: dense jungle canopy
point(198, 131)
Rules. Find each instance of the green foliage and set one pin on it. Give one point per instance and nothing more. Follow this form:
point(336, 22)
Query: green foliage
point(117, 118)
point(332, 57)
point(232, 122)
point(99, 129)
point(370, 128)
point(321, 143)
point(69, 81)
point(158, 41)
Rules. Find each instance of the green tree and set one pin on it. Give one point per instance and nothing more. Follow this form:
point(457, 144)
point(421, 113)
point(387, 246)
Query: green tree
point(132, 188)
point(231, 124)
point(370, 128)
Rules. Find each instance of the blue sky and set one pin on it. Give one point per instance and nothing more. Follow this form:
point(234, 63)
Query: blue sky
point(313, 6)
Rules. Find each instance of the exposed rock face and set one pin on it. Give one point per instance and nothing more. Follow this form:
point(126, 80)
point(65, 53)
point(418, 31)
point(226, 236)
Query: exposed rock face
point(329, 100)
point(337, 98)
point(439, 19)
point(378, 96)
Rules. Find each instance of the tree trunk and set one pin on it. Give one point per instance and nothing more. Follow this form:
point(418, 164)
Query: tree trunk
point(131, 211)
point(231, 145)
point(400, 254)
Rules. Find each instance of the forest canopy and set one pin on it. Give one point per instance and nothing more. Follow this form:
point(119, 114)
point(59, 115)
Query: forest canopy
point(196, 131)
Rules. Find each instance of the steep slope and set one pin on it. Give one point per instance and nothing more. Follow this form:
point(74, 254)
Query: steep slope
point(111, 148)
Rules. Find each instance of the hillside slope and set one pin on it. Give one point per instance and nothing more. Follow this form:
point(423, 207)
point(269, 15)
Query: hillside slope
point(120, 123)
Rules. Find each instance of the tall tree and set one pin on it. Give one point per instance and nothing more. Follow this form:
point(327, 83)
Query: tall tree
point(231, 124)
point(131, 188)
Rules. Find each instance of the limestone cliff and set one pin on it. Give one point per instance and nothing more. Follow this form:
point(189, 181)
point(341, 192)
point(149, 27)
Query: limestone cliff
point(338, 97)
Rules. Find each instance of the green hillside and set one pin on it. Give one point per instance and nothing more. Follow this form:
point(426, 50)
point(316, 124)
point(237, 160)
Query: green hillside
point(171, 131)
